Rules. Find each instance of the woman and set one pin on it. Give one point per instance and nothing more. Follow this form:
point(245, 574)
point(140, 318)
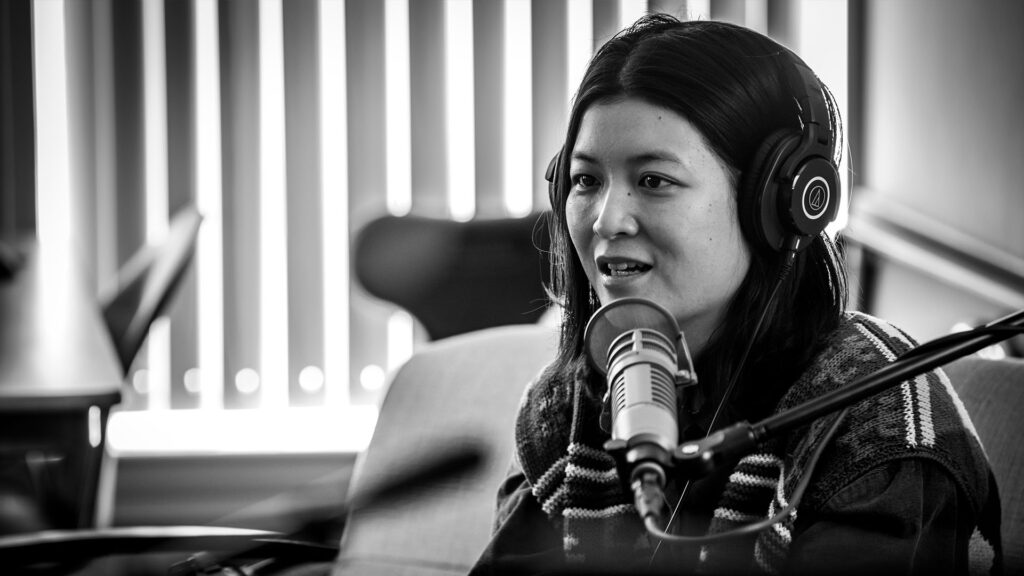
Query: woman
point(665, 189)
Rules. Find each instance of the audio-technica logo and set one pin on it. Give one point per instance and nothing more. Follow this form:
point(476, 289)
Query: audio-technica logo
point(816, 197)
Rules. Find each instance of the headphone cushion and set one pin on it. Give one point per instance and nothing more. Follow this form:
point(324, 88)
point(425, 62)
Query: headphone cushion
point(759, 208)
point(551, 175)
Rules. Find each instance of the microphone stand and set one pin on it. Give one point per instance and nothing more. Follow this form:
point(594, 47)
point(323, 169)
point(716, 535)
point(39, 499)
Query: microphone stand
point(698, 458)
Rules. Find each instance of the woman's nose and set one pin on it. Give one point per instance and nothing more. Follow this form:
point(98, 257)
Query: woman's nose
point(618, 214)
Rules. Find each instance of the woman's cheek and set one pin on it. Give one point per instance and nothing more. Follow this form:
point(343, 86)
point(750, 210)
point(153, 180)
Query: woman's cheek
point(576, 219)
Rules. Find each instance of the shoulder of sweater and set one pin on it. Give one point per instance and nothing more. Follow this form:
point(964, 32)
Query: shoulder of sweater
point(860, 345)
point(916, 418)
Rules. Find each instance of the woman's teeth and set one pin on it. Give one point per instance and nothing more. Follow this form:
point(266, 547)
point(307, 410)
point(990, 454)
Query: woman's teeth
point(625, 269)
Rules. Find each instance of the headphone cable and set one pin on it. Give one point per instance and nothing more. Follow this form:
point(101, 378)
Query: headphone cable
point(787, 265)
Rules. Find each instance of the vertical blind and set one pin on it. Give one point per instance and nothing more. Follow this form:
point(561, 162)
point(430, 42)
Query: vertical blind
point(291, 124)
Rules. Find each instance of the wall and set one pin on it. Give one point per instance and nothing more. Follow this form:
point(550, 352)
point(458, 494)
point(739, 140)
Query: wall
point(941, 137)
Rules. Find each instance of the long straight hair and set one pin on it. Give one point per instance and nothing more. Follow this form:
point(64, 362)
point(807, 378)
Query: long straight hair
point(731, 84)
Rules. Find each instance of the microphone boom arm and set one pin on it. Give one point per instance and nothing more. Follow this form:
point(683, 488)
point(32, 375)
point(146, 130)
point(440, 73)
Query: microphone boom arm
point(696, 459)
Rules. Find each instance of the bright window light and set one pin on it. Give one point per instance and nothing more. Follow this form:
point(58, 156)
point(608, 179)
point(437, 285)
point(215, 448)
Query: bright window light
point(518, 102)
point(311, 379)
point(756, 15)
point(823, 42)
point(400, 338)
point(459, 112)
point(273, 210)
point(249, 431)
point(53, 197)
point(334, 198)
point(398, 117)
point(158, 346)
point(95, 426)
point(698, 9)
point(247, 381)
point(158, 343)
point(209, 261)
point(631, 10)
point(140, 381)
point(372, 377)
point(579, 41)
point(191, 381)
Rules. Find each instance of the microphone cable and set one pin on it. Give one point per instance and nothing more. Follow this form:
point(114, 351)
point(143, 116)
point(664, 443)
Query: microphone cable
point(787, 266)
point(958, 337)
point(753, 527)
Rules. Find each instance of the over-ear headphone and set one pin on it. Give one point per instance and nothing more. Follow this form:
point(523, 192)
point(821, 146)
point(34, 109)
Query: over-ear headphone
point(791, 192)
point(550, 174)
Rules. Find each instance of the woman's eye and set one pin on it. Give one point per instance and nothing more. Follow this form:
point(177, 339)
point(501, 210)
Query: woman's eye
point(584, 181)
point(652, 181)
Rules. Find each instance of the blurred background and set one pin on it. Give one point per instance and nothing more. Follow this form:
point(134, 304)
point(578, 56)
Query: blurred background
point(291, 125)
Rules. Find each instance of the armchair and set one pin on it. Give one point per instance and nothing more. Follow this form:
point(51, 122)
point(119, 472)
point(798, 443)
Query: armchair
point(993, 394)
point(464, 387)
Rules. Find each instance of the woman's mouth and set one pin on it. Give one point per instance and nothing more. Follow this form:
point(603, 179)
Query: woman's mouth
point(622, 269)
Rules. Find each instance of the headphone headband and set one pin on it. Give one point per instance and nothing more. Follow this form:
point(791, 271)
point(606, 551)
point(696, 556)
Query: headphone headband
point(793, 184)
point(813, 110)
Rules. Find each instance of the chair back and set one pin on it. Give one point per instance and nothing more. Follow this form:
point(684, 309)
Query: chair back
point(146, 283)
point(993, 394)
point(456, 277)
point(463, 388)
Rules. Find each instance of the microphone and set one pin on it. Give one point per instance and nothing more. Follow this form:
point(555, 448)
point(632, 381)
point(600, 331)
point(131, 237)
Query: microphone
point(638, 346)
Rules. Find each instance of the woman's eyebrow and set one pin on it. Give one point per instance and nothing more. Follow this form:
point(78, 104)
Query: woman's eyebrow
point(641, 158)
point(583, 157)
point(652, 156)
point(658, 156)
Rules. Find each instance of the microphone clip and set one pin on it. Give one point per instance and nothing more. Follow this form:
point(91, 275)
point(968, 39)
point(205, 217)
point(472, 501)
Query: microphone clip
point(699, 458)
point(691, 397)
point(641, 466)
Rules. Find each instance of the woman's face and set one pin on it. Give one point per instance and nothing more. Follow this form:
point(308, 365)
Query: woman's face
point(652, 213)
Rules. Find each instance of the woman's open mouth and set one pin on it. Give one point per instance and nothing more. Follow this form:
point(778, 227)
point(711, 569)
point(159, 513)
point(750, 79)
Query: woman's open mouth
point(622, 269)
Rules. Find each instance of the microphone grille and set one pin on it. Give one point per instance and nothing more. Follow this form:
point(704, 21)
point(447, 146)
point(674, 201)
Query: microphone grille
point(623, 316)
point(648, 347)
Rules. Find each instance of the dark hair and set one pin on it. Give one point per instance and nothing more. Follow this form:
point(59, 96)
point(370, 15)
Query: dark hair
point(731, 84)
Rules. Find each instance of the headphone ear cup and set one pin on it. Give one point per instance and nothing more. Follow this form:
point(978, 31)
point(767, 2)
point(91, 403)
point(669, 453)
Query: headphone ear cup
point(811, 200)
point(759, 195)
point(551, 175)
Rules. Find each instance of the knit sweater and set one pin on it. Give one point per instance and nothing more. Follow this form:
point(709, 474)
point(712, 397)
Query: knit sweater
point(559, 447)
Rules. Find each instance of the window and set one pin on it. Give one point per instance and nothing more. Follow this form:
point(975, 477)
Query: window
point(291, 125)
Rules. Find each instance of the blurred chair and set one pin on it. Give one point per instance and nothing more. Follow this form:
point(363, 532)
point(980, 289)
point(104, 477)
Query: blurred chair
point(456, 277)
point(463, 388)
point(146, 284)
point(993, 393)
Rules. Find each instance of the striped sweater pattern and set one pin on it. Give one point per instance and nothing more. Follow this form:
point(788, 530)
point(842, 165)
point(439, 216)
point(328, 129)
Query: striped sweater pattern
point(559, 445)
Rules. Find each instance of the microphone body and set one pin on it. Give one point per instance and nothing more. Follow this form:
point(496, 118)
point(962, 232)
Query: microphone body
point(641, 370)
point(639, 348)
